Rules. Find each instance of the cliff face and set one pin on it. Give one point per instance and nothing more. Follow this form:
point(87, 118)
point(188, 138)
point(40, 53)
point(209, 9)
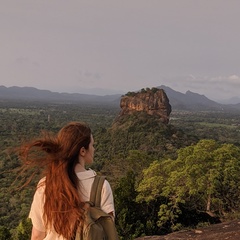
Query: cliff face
point(153, 102)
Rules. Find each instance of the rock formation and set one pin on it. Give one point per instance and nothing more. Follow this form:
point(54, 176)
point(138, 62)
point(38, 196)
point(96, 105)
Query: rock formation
point(152, 101)
point(222, 231)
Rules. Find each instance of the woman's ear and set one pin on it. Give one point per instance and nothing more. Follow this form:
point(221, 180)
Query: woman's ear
point(82, 151)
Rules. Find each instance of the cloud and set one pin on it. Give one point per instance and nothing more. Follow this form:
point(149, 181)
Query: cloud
point(232, 79)
point(24, 61)
point(191, 76)
point(87, 76)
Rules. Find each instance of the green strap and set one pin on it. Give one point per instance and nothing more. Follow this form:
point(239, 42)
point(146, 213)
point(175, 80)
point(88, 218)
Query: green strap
point(96, 190)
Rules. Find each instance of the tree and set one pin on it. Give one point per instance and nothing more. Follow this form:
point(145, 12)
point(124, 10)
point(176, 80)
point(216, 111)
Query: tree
point(23, 230)
point(126, 208)
point(4, 233)
point(227, 178)
point(155, 176)
point(203, 179)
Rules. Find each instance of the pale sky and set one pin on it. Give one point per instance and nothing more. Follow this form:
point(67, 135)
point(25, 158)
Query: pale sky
point(121, 45)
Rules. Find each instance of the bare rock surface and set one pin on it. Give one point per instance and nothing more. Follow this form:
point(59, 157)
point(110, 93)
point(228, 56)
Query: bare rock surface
point(222, 231)
point(153, 102)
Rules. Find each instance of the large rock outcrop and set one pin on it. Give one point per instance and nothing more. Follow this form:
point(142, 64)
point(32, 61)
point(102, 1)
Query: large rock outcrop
point(152, 101)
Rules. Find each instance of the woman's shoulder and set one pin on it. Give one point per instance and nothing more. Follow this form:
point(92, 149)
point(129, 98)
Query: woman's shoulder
point(41, 185)
point(86, 174)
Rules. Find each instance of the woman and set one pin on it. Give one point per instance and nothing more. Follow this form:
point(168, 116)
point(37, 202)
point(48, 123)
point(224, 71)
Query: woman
point(58, 202)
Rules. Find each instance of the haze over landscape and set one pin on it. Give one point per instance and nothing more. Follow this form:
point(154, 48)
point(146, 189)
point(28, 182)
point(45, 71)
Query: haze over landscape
point(107, 47)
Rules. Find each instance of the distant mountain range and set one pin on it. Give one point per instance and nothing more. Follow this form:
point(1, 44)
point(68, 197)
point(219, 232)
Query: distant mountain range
point(195, 101)
point(34, 94)
point(179, 101)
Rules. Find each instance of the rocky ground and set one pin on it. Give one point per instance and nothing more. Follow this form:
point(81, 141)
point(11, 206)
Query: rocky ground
point(222, 231)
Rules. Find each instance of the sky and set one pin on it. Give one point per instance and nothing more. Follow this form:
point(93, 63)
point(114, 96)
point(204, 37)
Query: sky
point(115, 46)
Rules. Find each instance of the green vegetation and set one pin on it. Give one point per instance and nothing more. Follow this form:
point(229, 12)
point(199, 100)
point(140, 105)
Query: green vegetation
point(203, 178)
point(143, 90)
point(164, 177)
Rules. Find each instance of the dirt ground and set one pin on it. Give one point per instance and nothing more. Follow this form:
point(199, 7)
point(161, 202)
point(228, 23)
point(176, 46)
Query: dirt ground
point(222, 231)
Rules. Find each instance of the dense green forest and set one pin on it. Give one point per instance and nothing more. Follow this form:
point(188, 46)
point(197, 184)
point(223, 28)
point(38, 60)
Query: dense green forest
point(164, 177)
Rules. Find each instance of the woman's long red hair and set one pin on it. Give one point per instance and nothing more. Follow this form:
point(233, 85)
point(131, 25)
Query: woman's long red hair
point(58, 156)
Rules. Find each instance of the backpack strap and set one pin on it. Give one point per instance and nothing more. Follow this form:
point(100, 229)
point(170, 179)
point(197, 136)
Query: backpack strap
point(96, 190)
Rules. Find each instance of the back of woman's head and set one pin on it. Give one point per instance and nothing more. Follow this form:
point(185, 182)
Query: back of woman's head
point(72, 138)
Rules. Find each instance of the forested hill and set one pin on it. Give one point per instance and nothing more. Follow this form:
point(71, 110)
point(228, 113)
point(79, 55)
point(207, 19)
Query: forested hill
point(179, 101)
